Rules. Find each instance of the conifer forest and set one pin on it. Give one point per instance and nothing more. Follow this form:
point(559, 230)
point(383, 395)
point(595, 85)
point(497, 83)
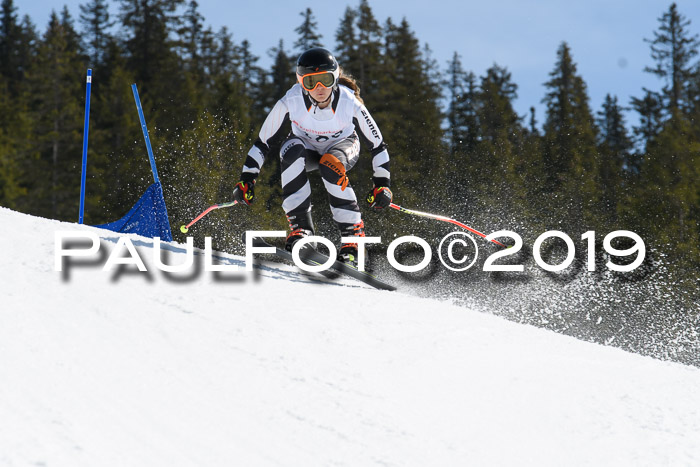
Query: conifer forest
point(457, 145)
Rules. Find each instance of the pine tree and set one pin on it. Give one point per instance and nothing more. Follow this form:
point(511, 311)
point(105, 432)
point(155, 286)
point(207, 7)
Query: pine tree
point(17, 46)
point(694, 98)
point(231, 100)
point(248, 64)
point(673, 51)
point(149, 27)
point(95, 21)
point(282, 75)
point(406, 89)
point(669, 190)
point(307, 31)
point(190, 33)
point(15, 134)
point(569, 153)
point(72, 37)
point(500, 138)
point(151, 47)
point(369, 46)
point(193, 42)
point(651, 111)
point(462, 120)
point(614, 147)
point(9, 38)
point(532, 173)
point(346, 42)
point(56, 80)
point(359, 50)
point(497, 118)
point(28, 43)
point(532, 123)
point(118, 167)
point(148, 24)
point(666, 201)
point(253, 81)
point(17, 52)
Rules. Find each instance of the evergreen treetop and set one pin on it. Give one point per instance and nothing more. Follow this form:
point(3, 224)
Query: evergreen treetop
point(307, 31)
point(673, 50)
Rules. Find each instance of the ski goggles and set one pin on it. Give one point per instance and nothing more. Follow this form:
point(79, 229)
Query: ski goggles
point(313, 80)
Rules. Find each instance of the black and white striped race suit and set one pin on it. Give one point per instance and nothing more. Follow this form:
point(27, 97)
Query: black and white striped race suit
point(316, 132)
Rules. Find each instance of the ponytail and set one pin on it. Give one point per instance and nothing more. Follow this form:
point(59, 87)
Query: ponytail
point(350, 82)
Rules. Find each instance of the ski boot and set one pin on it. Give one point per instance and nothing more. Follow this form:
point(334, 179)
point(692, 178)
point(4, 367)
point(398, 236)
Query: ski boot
point(349, 251)
point(301, 226)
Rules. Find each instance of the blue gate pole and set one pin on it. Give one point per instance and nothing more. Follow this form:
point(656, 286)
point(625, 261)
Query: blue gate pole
point(145, 133)
point(86, 129)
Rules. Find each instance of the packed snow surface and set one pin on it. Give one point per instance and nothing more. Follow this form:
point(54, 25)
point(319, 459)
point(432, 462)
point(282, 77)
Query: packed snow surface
point(126, 368)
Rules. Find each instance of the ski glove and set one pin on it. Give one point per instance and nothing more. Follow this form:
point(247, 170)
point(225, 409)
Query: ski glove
point(244, 192)
point(380, 197)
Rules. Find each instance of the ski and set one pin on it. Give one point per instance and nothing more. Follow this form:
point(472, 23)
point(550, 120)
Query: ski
point(315, 258)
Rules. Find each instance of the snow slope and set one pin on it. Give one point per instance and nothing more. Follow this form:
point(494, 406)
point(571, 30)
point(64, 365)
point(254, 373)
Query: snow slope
point(135, 369)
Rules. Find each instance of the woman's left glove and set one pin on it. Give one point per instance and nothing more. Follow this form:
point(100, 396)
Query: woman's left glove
point(380, 197)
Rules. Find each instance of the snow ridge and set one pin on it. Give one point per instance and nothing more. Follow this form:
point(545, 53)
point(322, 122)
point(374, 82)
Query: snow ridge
point(142, 369)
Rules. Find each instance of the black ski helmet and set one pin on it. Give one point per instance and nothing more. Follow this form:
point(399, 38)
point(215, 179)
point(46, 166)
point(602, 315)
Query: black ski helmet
point(315, 60)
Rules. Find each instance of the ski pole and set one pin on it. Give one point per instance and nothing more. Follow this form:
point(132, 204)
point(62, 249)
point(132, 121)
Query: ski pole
point(86, 130)
point(185, 228)
point(443, 219)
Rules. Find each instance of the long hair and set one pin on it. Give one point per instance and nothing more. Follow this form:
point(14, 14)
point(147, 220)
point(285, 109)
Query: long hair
point(350, 82)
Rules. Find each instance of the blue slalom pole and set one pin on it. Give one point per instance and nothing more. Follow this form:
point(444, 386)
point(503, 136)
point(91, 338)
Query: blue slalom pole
point(86, 129)
point(145, 133)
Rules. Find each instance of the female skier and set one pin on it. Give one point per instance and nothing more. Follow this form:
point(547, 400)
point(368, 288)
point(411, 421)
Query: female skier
point(326, 114)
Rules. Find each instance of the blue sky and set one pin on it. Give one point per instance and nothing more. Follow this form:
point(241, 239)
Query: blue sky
point(606, 37)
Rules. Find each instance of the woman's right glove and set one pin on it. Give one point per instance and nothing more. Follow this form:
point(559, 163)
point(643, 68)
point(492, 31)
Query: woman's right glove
point(244, 192)
point(380, 197)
